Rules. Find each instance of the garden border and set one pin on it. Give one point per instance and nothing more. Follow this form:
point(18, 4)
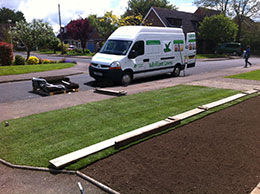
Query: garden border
point(142, 132)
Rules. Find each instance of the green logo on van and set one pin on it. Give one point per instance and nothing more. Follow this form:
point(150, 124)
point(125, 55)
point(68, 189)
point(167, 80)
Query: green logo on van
point(138, 65)
point(160, 64)
point(167, 47)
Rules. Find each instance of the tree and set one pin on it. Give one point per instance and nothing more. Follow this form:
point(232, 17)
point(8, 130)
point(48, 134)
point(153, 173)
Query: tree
point(251, 35)
point(108, 23)
point(218, 29)
point(80, 30)
point(105, 25)
point(240, 9)
point(245, 8)
point(32, 34)
point(221, 5)
point(53, 43)
point(141, 7)
point(8, 14)
point(132, 20)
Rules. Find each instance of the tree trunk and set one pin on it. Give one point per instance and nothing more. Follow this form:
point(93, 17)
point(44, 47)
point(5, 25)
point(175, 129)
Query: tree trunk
point(28, 54)
point(83, 45)
point(239, 23)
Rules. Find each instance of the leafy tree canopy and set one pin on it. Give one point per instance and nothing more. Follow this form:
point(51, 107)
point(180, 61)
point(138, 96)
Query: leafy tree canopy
point(141, 7)
point(8, 14)
point(218, 28)
point(79, 29)
point(108, 23)
point(33, 34)
point(237, 8)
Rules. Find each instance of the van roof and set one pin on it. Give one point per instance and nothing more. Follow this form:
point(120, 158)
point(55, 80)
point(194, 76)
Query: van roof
point(130, 32)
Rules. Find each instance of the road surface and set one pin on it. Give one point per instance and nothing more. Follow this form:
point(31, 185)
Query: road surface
point(14, 91)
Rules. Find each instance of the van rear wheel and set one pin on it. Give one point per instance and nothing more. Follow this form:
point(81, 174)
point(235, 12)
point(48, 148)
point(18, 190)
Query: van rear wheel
point(126, 78)
point(176, 72)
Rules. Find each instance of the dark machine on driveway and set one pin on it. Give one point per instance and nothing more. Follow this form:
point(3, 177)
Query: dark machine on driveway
point(53, 85)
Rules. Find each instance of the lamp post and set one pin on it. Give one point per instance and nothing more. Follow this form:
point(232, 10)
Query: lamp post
point(10, 21)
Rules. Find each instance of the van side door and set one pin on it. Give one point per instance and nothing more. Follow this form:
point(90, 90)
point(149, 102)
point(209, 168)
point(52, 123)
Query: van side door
point(191, 49)
point(137, 59)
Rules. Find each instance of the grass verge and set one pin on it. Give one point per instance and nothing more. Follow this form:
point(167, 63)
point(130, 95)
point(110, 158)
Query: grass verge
point(253, 75)
point(22, 69)
point(69, 53)
point(206, 56)
point(36, 139)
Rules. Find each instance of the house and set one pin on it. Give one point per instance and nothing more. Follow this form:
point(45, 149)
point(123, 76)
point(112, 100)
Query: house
point(189, 22)
point(93, 43)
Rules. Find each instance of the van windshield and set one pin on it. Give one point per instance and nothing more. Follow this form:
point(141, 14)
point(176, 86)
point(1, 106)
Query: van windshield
point(116, 47)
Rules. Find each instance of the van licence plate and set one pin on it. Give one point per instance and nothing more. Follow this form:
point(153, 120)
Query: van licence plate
point(98, 73)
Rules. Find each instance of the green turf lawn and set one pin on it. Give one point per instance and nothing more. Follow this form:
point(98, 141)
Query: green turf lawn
point(36, 139)
point(22, 69)
point(253, 75)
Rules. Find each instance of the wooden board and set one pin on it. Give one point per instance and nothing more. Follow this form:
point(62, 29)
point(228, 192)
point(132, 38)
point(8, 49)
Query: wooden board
point(187, 114)
point(222, 101)
point(113, 92)
point(251, 92)
point(71, 157)
point(256, 190)
point(143, 132)
point(119, 141)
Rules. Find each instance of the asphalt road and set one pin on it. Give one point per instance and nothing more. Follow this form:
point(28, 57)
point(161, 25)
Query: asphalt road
point(14, 91)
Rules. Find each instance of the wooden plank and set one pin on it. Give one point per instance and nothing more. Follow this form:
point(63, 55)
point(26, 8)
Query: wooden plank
point(143, 132)
point(187, 114)
point(113, 92)
point(121, 140)
point(256, 190)
point(71, 157)
point(251, 91)
point(222, 101)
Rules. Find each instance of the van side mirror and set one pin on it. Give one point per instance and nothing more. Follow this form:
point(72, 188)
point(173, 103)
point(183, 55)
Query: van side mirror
point(132, 54)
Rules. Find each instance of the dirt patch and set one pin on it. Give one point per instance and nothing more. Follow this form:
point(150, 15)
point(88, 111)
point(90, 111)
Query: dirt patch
point(217, 154)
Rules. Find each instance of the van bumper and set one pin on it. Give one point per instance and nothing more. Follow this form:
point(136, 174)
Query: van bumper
point(101, 74)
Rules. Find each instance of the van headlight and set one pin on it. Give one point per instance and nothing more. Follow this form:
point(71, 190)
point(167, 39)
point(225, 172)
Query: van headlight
point(115, 65)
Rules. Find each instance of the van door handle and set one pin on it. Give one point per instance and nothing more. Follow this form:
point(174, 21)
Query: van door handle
point(146, 60)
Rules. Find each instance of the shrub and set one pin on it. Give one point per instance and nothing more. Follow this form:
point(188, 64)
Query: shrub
point(19, 60)
point(88, 52)
point(6, 53)
point(76, 50)
point(33, 60)
point(64, 60)
point(46, 61)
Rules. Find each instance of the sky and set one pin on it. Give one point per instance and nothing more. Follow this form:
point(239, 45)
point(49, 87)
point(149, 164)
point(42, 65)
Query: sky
point(74, 9)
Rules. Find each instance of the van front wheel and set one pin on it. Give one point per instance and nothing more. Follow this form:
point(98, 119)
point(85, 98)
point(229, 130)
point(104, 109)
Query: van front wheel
point(126, 79)
point(176, 72)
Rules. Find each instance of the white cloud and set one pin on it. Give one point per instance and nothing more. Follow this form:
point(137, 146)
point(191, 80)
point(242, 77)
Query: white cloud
point(184, 5)
point(11, 4)
point(187, 7)
point(48, 9)
point(73, 9)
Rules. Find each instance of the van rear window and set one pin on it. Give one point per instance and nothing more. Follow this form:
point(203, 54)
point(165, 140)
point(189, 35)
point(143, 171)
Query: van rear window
point(116, 47)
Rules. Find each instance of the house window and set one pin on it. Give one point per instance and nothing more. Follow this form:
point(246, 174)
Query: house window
point(174, 22)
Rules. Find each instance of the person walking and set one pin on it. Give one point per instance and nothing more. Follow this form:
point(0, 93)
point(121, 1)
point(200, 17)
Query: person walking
point(247, 55)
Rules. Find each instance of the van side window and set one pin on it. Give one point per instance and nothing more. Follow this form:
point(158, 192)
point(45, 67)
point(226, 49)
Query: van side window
point(137, 50)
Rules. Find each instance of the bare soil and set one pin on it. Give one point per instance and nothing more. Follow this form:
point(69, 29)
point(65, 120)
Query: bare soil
point(217, 154)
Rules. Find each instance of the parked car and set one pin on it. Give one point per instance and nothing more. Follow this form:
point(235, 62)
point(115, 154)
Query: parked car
point(233, 48)
point(72, 47)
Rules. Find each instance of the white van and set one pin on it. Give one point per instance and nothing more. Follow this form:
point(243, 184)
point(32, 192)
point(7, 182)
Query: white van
point(133, 52)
